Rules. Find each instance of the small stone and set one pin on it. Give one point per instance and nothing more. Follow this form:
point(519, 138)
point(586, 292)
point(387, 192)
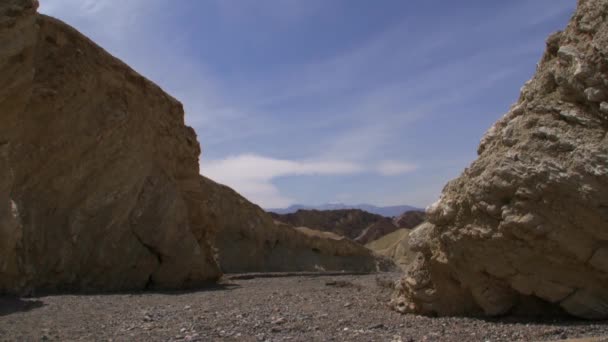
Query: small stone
point(594, 95)
point(604, 107)
point(279, 320)
point(377, 326)
point(396, 338)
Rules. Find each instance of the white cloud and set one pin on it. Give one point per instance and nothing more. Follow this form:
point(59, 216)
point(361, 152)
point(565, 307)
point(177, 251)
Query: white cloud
point(252, 175)
point(393, 168)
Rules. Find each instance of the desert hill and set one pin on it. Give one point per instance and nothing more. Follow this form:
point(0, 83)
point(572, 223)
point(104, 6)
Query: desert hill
point(394, 246)
point(386, 211)
point(356, 224)
point(346, 222)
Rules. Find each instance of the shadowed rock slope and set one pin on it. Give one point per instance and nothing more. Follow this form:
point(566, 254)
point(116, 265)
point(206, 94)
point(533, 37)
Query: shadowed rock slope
point(98, 171)
point(527, 222)
point(249, 240)
point(99, 179)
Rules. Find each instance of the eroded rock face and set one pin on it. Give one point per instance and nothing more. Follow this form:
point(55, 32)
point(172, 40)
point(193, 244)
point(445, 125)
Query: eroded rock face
point(249, 240)
point(527, 222)
point(98, 173)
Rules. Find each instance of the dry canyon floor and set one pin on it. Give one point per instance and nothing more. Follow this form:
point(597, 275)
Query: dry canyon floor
point(300, 307)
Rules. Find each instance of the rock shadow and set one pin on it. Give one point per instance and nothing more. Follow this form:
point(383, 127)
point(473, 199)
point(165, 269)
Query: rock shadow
point(10, 305)
point(206, 288)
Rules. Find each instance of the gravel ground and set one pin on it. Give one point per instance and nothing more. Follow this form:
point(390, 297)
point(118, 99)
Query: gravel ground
point(293, 308)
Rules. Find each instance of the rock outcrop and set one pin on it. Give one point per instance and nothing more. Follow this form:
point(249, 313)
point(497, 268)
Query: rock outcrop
point(98, 173)
point(527, 222)
point(249, 240)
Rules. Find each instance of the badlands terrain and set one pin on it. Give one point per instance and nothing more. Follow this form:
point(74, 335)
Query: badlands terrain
point(108, 230)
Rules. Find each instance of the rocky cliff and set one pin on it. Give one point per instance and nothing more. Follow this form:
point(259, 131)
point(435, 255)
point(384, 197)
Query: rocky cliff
point(526, 225)
point(249, 240)
point(98, 173)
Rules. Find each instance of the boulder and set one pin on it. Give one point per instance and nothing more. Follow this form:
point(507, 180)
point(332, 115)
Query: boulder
point(98, 173)
point(526, 224)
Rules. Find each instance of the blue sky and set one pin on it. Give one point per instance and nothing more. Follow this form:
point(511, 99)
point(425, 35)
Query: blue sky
point(317, 101)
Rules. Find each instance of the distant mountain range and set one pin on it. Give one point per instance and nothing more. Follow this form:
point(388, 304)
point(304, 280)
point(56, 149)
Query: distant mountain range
point(389, 211)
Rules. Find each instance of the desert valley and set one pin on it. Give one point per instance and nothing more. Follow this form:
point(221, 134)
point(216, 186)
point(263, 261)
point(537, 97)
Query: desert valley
point(110, 230)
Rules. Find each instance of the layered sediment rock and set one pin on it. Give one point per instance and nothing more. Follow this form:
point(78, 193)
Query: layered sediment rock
point(527, 222)
point(98, 173)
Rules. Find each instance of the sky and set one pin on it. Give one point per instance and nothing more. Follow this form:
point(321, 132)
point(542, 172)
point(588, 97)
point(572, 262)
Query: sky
point(330, 101)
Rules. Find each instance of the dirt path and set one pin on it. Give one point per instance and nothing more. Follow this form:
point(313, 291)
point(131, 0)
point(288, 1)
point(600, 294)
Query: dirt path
point(295, 308)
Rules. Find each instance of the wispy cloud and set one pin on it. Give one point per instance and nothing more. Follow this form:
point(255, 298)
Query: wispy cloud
point(252, 175)
point(393, 168)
